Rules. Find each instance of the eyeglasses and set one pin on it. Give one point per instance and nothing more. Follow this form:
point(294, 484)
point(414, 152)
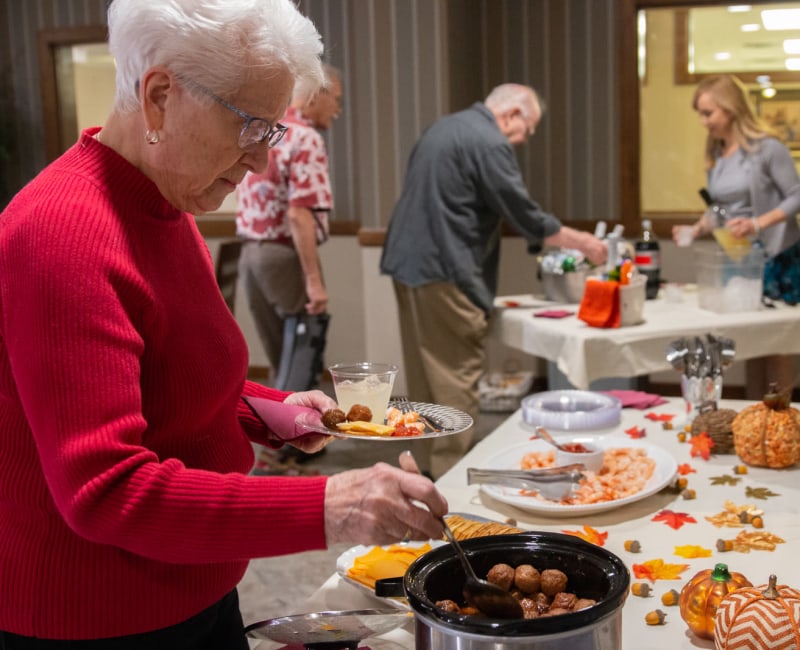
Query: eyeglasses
point(255, 130)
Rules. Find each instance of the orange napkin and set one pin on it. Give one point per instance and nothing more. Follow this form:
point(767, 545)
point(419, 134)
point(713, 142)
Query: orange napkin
point(600, 304)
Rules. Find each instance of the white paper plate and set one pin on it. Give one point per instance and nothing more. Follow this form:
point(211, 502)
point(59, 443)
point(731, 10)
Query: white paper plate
point(511, 457)
point(345, 561)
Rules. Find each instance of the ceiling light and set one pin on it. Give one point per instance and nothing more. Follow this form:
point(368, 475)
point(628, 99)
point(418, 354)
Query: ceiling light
point(722, 56)
point(791, 46)
point(735, 9)
point(750, 27)
point(793, 64)
point(769, 93)
point(780, 19)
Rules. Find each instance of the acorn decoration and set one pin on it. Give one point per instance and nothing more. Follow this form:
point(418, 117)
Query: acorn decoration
point(767, 434)
point(701, 596)
point(759, 618)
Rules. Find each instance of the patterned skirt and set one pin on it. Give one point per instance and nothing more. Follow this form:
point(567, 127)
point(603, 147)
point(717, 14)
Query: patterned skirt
point(782, 276)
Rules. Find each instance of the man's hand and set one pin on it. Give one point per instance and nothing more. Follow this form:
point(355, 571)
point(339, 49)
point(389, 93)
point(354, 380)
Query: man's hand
point(593, 248)
point(317, 297)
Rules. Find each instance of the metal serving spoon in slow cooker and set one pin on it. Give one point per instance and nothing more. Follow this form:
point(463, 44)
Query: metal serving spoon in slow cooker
point(490, 599)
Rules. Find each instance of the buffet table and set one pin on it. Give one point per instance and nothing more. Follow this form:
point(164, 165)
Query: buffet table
point(584, 354)
point(778, 496)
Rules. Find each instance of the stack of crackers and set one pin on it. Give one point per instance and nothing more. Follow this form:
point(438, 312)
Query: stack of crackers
point(469, 528)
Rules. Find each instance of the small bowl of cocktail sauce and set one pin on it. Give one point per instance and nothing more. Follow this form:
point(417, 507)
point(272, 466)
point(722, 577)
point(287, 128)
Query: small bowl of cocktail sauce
point(576, 450)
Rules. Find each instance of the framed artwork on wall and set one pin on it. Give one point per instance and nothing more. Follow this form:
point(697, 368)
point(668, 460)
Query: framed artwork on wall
point(782, 113)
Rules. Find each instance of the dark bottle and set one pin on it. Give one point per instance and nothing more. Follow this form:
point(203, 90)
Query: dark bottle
point(715, 215)
point(648, 258)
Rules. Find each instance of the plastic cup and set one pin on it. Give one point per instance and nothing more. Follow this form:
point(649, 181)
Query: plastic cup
point(366, 383)
point(684, 236)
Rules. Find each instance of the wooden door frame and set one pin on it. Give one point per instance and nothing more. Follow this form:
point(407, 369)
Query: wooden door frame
point(49, 40)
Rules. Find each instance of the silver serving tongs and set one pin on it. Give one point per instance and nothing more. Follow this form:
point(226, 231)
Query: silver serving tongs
point(555, 483)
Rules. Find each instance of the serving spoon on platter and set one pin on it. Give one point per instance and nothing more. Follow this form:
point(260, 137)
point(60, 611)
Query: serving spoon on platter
point(489, 598)
point(544, 434)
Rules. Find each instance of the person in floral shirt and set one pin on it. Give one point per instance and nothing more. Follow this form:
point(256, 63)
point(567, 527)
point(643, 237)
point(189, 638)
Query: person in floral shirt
point(282, 216)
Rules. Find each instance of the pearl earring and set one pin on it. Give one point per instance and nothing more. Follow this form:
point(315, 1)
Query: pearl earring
point(151, 136)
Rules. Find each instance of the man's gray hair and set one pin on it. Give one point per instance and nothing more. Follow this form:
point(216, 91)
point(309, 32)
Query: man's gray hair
point(215, 43)
point(507, 97)
point(330, 74)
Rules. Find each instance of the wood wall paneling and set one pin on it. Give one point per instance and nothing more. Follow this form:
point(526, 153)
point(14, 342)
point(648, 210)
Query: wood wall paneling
point(464, 76)
point(385, 107)
point(23, 22)
point(405, 93)
point(405, 63)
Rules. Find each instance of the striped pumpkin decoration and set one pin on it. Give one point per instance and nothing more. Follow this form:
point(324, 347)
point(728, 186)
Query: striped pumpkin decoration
point(759, 618)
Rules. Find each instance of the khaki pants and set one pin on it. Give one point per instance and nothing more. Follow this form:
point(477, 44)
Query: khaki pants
point(443, 336)
point(273, 282)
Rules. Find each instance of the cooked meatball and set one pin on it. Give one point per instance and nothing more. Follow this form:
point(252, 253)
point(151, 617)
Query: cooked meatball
point(541, 598)
point(530, 608)
point(502, 575)
point(563, 600)
point(527, 578)
point(467, 610)
point(583, 603)
point(553, 581)
point(359, 413)
point(448, 606)
point(556, 611)
point(333, 417)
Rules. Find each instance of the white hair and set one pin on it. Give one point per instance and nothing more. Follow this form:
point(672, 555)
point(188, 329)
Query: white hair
point(507, 97)
point(213, 42)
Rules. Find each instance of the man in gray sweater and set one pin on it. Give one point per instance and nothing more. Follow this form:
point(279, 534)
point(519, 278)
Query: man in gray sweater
point(442, 249)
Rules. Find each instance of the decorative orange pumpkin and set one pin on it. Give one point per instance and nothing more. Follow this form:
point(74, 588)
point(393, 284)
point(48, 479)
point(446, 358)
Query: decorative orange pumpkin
point(701, 596)
point(759, 618)
point(767, 434)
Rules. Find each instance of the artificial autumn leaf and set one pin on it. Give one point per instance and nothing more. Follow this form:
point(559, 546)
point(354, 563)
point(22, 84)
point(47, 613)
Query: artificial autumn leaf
point(702, 444)
point(674, 519)
point(636, 432)
point(659, 417)
point(658, 570)
point(725, 479)
point(760, 493)
point(686, 468)
point(589, 534)
point(690, 551)
point(731, 517)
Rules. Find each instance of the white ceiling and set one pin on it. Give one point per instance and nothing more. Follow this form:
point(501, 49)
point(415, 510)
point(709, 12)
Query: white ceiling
point(715, 29)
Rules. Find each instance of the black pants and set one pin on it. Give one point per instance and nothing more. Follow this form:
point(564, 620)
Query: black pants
point(219, 627)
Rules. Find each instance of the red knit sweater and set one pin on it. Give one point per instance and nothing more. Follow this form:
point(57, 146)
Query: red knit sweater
point(125, 504)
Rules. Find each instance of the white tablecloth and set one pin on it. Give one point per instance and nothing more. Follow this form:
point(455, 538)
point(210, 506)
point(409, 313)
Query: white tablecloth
point(634, 521)
point(584, 353)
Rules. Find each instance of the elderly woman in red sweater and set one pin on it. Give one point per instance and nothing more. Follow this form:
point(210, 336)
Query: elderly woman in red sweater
point(127, 515)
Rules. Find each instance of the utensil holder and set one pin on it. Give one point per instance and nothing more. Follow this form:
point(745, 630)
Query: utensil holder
point(698, 390)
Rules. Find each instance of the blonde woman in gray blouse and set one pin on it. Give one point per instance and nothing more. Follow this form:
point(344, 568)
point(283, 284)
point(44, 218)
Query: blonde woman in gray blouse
point(753, 175)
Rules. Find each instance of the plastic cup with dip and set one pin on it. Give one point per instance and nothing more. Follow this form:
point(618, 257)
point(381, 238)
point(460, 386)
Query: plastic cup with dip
point(366, 383)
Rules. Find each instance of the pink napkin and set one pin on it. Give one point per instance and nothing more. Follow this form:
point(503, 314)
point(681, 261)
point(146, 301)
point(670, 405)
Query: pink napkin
point(282, 419)
point(553, 313)
point(637, 399)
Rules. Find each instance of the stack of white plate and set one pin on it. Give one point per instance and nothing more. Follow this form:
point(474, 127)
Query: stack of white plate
point(571, 410)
